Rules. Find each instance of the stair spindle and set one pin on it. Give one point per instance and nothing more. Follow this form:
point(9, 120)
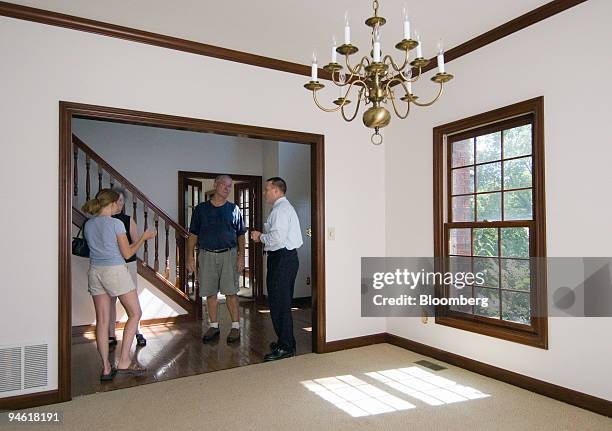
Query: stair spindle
point(76, 171)
point(134, 208)
point(156, 262)
point(167, 265)
point(145, 256)
point(87, 179)
point(99, 178)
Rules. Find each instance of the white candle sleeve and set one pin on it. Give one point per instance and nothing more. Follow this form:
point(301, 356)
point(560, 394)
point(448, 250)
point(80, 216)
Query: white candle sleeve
point(376, 51)
point(406, 29)
point(334, 55)
point(313, 72)
point(419, 49)
point(441, 63)
point(347, 35)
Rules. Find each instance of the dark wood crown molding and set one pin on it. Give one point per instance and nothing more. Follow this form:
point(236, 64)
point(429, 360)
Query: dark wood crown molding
point(532, 17)
point(98, 27)
point(107, 29)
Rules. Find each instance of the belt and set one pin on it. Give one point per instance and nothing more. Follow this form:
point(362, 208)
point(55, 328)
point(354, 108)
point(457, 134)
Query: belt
point(221, 250)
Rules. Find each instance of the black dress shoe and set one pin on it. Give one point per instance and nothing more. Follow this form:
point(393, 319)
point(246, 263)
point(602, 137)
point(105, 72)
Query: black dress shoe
point(211, 334)
point(279, 353)
point(273, 346)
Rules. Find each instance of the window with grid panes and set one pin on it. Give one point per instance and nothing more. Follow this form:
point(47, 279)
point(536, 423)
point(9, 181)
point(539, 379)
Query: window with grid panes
point(491, 225)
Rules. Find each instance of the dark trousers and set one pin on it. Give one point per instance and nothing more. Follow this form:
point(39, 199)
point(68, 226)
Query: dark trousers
point(282, 267)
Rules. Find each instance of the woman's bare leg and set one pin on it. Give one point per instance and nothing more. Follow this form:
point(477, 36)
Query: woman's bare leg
point(132, 307)
point(113, 317)
point(102, 305)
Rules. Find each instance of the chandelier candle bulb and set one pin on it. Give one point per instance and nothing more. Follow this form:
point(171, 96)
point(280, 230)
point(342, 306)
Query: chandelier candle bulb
point(334, 54)
point(376, 56)
point(406, 24)
point(347, 30)
point(314, 68)
point(440, 57)
point(419, 48)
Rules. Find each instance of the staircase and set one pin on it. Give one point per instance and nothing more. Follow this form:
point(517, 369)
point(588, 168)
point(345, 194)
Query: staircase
point(167, 271)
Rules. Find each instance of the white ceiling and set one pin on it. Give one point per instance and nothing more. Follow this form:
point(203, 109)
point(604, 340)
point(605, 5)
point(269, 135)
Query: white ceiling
point(291, 29)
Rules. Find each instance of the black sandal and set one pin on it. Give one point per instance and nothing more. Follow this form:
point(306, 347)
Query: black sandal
point(112, 341)
point(110, 376)
point(133, 370)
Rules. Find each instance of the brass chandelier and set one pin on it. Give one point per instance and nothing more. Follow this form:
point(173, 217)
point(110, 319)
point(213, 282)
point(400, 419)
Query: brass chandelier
point(375, 77)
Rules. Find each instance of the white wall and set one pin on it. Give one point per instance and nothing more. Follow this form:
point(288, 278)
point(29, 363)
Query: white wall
point(294, 168)
point(570, 72)
point(46, 64)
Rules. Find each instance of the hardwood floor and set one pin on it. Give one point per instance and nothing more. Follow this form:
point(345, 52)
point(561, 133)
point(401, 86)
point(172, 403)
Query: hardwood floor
point(176, 350)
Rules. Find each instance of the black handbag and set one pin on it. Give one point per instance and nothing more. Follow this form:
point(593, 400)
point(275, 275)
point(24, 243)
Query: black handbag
point(79, 244)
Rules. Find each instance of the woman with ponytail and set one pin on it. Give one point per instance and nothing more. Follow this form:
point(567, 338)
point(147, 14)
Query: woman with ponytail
point(108, 277)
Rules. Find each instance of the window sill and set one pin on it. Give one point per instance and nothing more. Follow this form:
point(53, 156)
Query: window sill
point(534, 338)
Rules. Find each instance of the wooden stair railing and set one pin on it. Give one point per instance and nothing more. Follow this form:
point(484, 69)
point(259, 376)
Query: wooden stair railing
point(173, 236)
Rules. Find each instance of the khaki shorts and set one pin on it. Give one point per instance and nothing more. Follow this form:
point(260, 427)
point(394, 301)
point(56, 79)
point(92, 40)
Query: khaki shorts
point(111, 280)
point(219, 272)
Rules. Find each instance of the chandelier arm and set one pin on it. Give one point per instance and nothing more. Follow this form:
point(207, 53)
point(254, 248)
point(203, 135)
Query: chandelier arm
point(394, 65)
point(322, 108)
point(433, 101)
point(338, 82)
point(351, 86)
point(390, 81)
point(392, 97)
point(411, 79)
point(356, 108)
point(355, 70)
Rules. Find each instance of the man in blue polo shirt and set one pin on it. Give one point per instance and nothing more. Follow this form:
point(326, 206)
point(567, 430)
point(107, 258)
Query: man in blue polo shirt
point(218, 229)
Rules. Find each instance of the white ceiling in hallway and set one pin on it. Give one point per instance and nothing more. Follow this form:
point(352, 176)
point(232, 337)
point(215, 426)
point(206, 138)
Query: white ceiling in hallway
point(291, 29)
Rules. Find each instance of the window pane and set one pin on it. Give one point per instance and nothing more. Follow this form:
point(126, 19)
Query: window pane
point(488, 147)
point(517, 141)
point(517, 205)
point(489, 206)
point(516, 307)
point(515, 242)
point(465, 292)
point(489, 267)
point(459, 264)
point(485, 242)
point(463, 153)
point(460, 242)
point(492, 308)
point(463, 180)
point(463, 208)
point(517, 173)
point(515, 274)
point(488, 177)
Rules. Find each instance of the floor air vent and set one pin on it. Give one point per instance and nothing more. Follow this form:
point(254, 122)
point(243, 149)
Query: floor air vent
point(35, 366)
point(10, 369)
point(430, 365)
point(23, 367)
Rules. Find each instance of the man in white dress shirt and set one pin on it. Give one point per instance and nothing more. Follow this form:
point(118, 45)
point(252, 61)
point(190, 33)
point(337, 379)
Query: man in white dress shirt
point(281, 240)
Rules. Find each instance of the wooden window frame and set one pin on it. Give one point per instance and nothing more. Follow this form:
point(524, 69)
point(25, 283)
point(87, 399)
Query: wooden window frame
point(535, 335)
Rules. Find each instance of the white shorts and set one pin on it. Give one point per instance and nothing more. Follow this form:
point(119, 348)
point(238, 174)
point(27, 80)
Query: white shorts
point(112, 280)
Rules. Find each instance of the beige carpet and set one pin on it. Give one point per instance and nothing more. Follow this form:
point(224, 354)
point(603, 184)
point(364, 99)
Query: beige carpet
point(286, 395)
